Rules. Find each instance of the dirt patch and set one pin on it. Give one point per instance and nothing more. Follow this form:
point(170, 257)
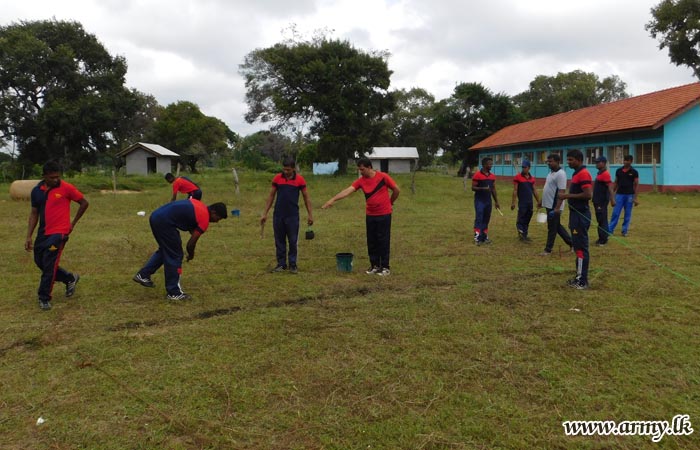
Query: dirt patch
point(123, 191)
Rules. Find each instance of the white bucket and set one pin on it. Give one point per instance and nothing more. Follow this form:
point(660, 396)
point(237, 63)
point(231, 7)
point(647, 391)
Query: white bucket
point(541, 217)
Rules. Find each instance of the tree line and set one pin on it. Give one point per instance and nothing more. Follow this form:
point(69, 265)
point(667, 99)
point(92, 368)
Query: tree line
point(63, 96)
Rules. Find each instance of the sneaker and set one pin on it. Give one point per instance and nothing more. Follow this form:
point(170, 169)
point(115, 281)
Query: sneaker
point(580, 285)
point(293, 269)
point(572, 282)
point(486, 241)
point(45, 305)
point(624, 234)
point(278, 269)
point(601, 243)
point(373, 270)
point(384, 272)
point(180, 297)
point(526, 239)
point(143, 281)
point(70, 286)
point(545, 253)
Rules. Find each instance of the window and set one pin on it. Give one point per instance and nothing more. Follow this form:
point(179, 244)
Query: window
point(517, 159)
point(617, 153)
point(591, 154)
point(648, 153)
point(530, 156)
point(507, 159)
point(497, 159)
point(542, 157)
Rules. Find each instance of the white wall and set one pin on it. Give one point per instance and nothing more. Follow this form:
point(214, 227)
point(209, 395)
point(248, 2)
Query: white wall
point(136, 163)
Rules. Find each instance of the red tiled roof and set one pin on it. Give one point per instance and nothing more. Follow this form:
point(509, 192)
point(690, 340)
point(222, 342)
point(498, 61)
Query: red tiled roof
point(648, 111)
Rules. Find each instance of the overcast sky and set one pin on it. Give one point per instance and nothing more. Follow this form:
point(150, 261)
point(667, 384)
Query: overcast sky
point(191, 49)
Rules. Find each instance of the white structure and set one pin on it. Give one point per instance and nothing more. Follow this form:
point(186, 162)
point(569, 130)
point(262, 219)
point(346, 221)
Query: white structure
point(142, 159)
point(394, 159)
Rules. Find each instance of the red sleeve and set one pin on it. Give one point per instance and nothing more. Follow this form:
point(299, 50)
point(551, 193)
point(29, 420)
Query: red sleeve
point(357, 184)
point(301, 182)
point(390, 183)
point(201, 215)
point(74, 194)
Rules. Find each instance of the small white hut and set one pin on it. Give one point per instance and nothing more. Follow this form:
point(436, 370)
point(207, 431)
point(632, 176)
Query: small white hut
point(394, 159)
point(142, 159)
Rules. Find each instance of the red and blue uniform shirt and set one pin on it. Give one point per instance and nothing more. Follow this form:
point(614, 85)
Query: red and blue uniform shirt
point(481, 179)
point(580, 179)
point(526, 187)
point(376, 190)
point(601, 188)
point(53, 205)
point(287, 202)
point(184, 185)
point(185, 215)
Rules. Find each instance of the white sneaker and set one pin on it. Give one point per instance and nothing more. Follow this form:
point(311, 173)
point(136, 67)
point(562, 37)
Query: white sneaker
point(384, 272)
point(373, 270)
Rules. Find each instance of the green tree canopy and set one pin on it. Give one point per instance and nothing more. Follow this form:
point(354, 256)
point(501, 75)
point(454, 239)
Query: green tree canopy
point(136, 124)
point(471, 114)
point(676, 24)
point(61, 92)
point(184, 129)
point(339, 91)
point(412, 123)
point(567, 91)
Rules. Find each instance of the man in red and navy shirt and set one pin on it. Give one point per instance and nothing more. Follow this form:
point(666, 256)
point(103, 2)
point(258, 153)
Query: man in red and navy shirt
point(484, 187)
point(51, 200)
point(286, 186)
point(166, 223)
point(379, 206)
point(602, 193)
point(524, 190)
point(184, 185)
point(580, 191)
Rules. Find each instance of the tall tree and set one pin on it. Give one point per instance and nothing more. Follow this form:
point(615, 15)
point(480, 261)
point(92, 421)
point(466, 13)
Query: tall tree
point(135, 124)
point(567, 91)
point(676, 24)
point(471, 114)
point(412, 123)
point(184, 129)
point(338, 90)
point(61, 92)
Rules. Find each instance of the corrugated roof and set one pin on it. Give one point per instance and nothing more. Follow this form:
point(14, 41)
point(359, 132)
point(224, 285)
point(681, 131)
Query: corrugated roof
point(153, 148)
point(648, 111)
point(393, 153)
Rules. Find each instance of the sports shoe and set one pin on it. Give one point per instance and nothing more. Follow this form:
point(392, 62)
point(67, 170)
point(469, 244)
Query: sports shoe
point(573, 281)
point(384, 272)
point(181, 296)
point(526, 239)
point(278, 269)
point(580, 285)
point(601, 243)
point(293, 268)
point(545, 253)
point(143, 281)
point(373, 270)
point(45, 305)
point(70, 286)
point(624, 234)
point(487, 241)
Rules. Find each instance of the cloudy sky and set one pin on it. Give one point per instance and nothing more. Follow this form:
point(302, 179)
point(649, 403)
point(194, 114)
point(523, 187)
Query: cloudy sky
point(191, 49)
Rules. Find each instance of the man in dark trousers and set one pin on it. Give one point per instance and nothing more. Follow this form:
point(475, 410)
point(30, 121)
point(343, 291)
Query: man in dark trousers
point(166, 223)
point(375, 185)
point(51, 200)
point(484, 187)
point(580, 191)
point(286, 186)
point(602, 193)
point(184, 185)
point(554, 185)
point(626, 184)
point(523, 191)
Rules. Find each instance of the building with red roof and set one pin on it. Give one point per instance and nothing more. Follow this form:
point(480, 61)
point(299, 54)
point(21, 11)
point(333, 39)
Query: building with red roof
point(661, 130)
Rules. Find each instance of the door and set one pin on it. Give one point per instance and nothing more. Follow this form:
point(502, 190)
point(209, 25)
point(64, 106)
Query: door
point(150, 165)
point(384, 165)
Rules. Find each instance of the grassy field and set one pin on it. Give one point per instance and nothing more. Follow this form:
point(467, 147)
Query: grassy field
point(462, 347)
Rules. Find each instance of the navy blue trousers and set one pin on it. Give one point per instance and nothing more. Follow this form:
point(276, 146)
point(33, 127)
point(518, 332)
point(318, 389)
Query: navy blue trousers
point(197, 195)
point(286, 230)
point(482, 217)
point(379, 240)
point(169, 255)
point(579, 222)
point(524, 217)
point(601, 216)
point(47, 255)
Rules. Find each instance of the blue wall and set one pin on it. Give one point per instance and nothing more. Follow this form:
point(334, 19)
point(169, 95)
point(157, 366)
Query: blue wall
point(682, 145)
